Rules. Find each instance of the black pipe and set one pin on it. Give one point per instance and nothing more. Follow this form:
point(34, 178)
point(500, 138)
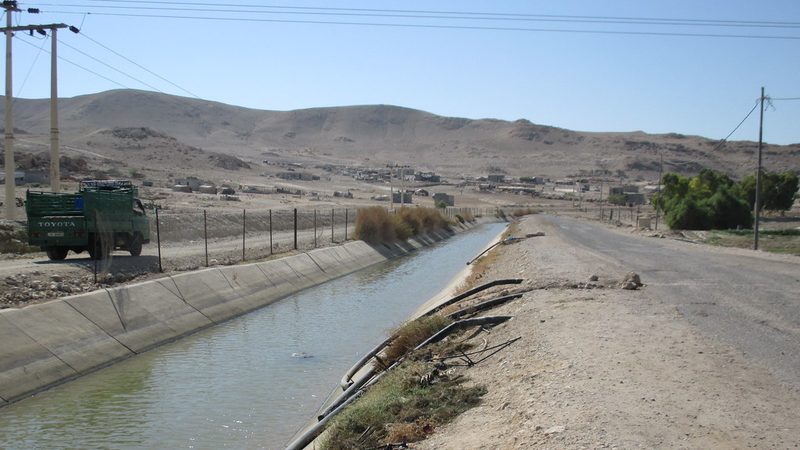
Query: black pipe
point(484, 305)
point(346, 382)
point(472, 292)
point(353, 392)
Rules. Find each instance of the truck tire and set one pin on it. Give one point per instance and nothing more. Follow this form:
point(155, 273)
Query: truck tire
point(56, 253)
point(96, 248)
point(136, 245)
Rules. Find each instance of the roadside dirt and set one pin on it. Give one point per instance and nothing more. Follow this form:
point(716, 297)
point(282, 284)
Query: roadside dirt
point(609, 368)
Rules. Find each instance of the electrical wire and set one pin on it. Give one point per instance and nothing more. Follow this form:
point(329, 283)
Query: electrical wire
point(439, 26)
point(138, 65)
point(450, 16)
point(30, 69)
point(111, 67)
point(785, 99)
point(722, 142)
point(470, 13)
point(76, 65)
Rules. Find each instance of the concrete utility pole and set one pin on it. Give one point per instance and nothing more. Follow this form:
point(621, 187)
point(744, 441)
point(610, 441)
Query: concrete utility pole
point(9, 123)
point(55, 173)
point(757, 205)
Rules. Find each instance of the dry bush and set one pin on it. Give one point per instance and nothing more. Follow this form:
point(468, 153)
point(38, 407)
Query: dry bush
point(524, 212)
point(422, 220)
point(412, 334)
point(410, 432)
point(375, 225)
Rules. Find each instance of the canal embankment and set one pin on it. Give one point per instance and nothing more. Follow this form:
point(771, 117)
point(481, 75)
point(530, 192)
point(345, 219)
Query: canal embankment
point(49, 343)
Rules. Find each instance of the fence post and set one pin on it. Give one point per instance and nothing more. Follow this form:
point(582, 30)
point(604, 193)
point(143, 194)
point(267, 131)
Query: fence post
point(270, 231)
point(332, 239)
point(158, 242)
point(244, 230)
point(315, 228)
point(295, 228)
point(345, 224)
point(205, 234)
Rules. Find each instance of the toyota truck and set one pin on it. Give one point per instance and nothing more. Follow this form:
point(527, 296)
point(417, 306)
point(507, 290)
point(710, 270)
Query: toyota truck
point(104, 215)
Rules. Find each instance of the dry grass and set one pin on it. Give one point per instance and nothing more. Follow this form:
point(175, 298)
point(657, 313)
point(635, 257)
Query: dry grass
point(524, 212)
point(412, 334)
point(375, 224)
point(401, 408)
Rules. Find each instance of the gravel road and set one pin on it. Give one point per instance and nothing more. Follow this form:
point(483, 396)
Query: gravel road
point(704, 355)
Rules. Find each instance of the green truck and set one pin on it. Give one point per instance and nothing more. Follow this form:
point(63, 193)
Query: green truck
point(104, 215)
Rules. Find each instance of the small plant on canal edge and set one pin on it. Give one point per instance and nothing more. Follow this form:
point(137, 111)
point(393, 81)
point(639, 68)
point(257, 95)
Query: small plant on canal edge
point(406, 406)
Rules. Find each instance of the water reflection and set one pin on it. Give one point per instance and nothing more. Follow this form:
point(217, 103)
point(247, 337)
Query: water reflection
point(237, 385)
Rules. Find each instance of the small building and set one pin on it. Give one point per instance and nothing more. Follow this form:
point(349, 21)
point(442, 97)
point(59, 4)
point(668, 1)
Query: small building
point(634, 198)
point(182, 188)
point(227, 190)
point(427, 177)
point(19, 177)
point(496, 178)
point(207, 189)
point(447, 199)
point(194, 183)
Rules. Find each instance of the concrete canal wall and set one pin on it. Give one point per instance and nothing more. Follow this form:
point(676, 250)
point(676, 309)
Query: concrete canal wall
point(49, 343)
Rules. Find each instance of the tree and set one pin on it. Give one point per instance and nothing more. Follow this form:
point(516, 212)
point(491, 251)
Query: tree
point(778, 190)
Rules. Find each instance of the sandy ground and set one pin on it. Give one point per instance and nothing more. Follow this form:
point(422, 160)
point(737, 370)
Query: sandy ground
point(609, 368)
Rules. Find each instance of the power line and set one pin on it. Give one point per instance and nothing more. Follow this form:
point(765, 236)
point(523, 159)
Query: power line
point(76, 65)
point(30, 69)
point(785, 98)
point(440, 26)
point(111, 67)
point(449, 15)
point(470, 13)
point(139, 65)
point(720, 143)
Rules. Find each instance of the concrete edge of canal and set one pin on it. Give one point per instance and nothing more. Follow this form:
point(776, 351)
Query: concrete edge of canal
point(50, 343)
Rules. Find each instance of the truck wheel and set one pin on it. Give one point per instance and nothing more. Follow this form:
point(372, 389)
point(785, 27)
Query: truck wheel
point(57, 253)
point(136, 245)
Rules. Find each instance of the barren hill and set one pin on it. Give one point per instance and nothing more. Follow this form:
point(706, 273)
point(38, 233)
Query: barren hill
point(140, 130)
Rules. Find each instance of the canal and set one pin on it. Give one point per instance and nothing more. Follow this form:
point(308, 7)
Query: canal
point(251, 382)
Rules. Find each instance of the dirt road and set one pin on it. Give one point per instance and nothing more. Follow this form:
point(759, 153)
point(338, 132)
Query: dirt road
point(703, 356)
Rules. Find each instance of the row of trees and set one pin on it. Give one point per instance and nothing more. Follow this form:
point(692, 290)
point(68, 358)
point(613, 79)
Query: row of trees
point(713, 200)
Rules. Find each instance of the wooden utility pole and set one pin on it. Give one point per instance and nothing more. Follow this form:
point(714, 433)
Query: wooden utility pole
point(757, 206)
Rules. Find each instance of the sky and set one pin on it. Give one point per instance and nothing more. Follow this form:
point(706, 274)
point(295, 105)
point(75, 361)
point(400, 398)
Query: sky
point(559, 63)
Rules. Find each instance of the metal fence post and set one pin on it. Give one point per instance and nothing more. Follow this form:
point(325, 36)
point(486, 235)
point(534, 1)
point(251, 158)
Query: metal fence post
point(332, 239)
point(244, 230)
point(158, 241)
point(345, 224)
point(295, 228)
point(270, 231)
point(205, 234)
point(315, 228)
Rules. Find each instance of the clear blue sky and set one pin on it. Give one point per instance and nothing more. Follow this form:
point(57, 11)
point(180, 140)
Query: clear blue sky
point(581, 81)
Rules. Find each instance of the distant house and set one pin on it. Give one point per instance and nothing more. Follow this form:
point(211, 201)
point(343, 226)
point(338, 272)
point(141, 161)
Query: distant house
point(449, 200)
point(496, 178)
point(292, 175)
point(194, 183)
point(428, 177)
point(19, 177)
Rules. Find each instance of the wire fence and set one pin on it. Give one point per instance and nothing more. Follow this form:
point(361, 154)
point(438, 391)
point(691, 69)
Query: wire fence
point(191, 239)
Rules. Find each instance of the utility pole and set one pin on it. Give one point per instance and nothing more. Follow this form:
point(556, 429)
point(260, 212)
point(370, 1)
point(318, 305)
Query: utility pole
point(757, 205)
point(660, 175)
point(55, 175)
point(9, 122)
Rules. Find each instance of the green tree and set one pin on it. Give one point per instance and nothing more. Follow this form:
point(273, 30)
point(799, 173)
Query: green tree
point(778, 190)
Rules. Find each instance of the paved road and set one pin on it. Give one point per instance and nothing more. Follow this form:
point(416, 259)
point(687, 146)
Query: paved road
point(750, 300)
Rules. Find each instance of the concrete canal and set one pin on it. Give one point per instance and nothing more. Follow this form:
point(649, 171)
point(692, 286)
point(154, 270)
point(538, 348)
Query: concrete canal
point(251, 382)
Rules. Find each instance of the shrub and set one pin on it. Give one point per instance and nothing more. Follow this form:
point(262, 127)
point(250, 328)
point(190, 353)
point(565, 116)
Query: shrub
point(412, 334)
point(375, 225)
